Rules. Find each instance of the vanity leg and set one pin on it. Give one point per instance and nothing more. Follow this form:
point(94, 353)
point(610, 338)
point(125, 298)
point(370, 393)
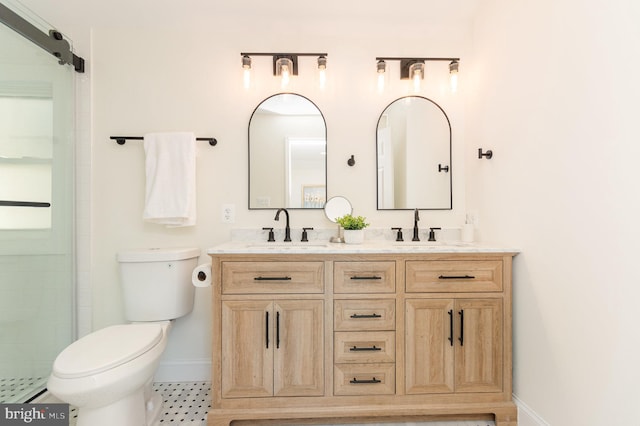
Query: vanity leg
point(218, 420)
point(508, 417)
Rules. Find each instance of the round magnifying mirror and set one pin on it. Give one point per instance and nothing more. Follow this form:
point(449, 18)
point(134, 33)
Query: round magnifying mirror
point(334, 208)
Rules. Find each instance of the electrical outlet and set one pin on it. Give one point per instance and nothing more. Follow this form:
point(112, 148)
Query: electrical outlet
point(228, 213)
point(473, 217)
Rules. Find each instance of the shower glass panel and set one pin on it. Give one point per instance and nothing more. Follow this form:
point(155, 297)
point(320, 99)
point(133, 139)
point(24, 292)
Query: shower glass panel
point(36, 214)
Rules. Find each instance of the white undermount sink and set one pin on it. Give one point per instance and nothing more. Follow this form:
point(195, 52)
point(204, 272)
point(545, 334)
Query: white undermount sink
point(430, 244)
point(281, 245)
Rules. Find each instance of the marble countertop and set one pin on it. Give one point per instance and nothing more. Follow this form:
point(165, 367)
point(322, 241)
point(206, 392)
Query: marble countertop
point(324, 247)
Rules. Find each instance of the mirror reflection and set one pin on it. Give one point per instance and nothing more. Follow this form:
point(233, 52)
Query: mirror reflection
point(287, 154)
point(413, 140)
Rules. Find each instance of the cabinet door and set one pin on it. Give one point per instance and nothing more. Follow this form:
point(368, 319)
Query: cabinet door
point(247, 348)
point(298, 362)
point(429, 350)
point(479, 346)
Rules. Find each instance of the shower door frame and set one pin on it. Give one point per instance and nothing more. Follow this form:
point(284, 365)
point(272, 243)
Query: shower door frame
point(56, 244)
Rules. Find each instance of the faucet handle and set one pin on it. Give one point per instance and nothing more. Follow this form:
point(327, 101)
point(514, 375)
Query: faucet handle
point(432, 234)
point(304, 234)
point(399, 234)
point(271, 235)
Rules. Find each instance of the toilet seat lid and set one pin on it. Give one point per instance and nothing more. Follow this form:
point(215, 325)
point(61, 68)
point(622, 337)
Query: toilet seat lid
point(105, 349)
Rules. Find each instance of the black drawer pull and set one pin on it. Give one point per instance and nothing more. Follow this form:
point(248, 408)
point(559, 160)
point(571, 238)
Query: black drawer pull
point(456, 277)
point(278, 330)
point(272, 278)
point(365, 349)
point(366, 278)
point(361, 382)
point(360, 316)
point(461, 338)
point(450, 326)
point(266, 330)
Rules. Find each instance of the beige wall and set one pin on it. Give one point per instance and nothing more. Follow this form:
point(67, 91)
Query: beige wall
point(549, 86)
point(560, 114)
point(191, 79)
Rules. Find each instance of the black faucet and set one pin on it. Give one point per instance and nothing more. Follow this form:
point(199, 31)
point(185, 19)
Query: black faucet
point(416, 218)
point(287, 230)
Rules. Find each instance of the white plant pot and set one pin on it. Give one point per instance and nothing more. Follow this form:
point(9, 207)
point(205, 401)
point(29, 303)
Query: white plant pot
point(353, 236)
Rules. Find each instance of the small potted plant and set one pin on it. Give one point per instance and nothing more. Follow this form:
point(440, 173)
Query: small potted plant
point(353, 228)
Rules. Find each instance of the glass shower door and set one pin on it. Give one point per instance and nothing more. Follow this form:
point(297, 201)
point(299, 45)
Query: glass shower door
point(36, 214)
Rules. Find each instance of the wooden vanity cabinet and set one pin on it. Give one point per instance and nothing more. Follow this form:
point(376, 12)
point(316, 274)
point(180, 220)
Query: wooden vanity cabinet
point(331, 338)
point(454, 345)
point(283, 341)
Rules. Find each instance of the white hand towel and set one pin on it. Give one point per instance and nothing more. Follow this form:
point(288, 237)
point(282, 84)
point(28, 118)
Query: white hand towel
point(170, 166)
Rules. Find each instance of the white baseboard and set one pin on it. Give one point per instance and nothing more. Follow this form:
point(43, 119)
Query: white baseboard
point(526, 416)
point(192, 370)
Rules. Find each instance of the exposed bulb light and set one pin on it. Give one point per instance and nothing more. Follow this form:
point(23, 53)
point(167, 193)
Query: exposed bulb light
point(246, 69)
point(284, 67)
point(453, 75)
point(416, 73)
point(285, 76)
point(322, 71)
point(381, 68)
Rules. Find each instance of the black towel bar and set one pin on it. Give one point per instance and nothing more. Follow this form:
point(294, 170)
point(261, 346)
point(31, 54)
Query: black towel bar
point(122, 139)
point(5, 203)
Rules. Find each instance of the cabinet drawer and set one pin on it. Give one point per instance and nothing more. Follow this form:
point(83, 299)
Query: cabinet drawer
point(454, 276)
point(359, 315)
point(272, 277)
point(364, 277)
point(364, 346)
point(364, 379)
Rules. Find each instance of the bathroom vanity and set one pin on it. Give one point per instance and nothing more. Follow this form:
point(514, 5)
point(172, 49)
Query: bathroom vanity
point(333, 333)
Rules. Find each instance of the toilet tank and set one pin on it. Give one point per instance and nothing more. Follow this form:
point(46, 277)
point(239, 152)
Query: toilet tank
point(156, 283)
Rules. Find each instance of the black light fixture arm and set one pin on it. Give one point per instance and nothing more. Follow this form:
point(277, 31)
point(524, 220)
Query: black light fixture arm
point(398, 58)
point(53, 42)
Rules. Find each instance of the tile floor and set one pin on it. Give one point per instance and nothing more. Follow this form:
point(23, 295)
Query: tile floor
point(187, 404)
point(182, 404)
point(17, 389)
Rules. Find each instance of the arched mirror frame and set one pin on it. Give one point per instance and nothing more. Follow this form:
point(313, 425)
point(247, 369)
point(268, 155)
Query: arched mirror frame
point(450, 165)
point(249, 153)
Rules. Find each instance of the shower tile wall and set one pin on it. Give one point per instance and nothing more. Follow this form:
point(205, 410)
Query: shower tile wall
point(84, 323)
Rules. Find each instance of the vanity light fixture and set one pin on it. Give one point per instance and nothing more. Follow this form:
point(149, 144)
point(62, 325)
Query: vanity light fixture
point(453, 75)
point(416, 73)
point(381, 68)
point(322, 71)
point(285, 65)
point(246, 66)
point(414, 69)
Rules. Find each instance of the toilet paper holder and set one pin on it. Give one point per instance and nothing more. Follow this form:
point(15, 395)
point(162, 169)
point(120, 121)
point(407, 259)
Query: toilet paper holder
point(201, 276)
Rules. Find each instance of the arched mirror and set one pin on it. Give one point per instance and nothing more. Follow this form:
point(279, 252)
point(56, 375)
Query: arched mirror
point(287, 154)
point(413, 142)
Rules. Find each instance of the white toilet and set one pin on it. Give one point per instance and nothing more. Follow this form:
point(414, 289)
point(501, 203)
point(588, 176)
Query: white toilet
point(107, 374)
